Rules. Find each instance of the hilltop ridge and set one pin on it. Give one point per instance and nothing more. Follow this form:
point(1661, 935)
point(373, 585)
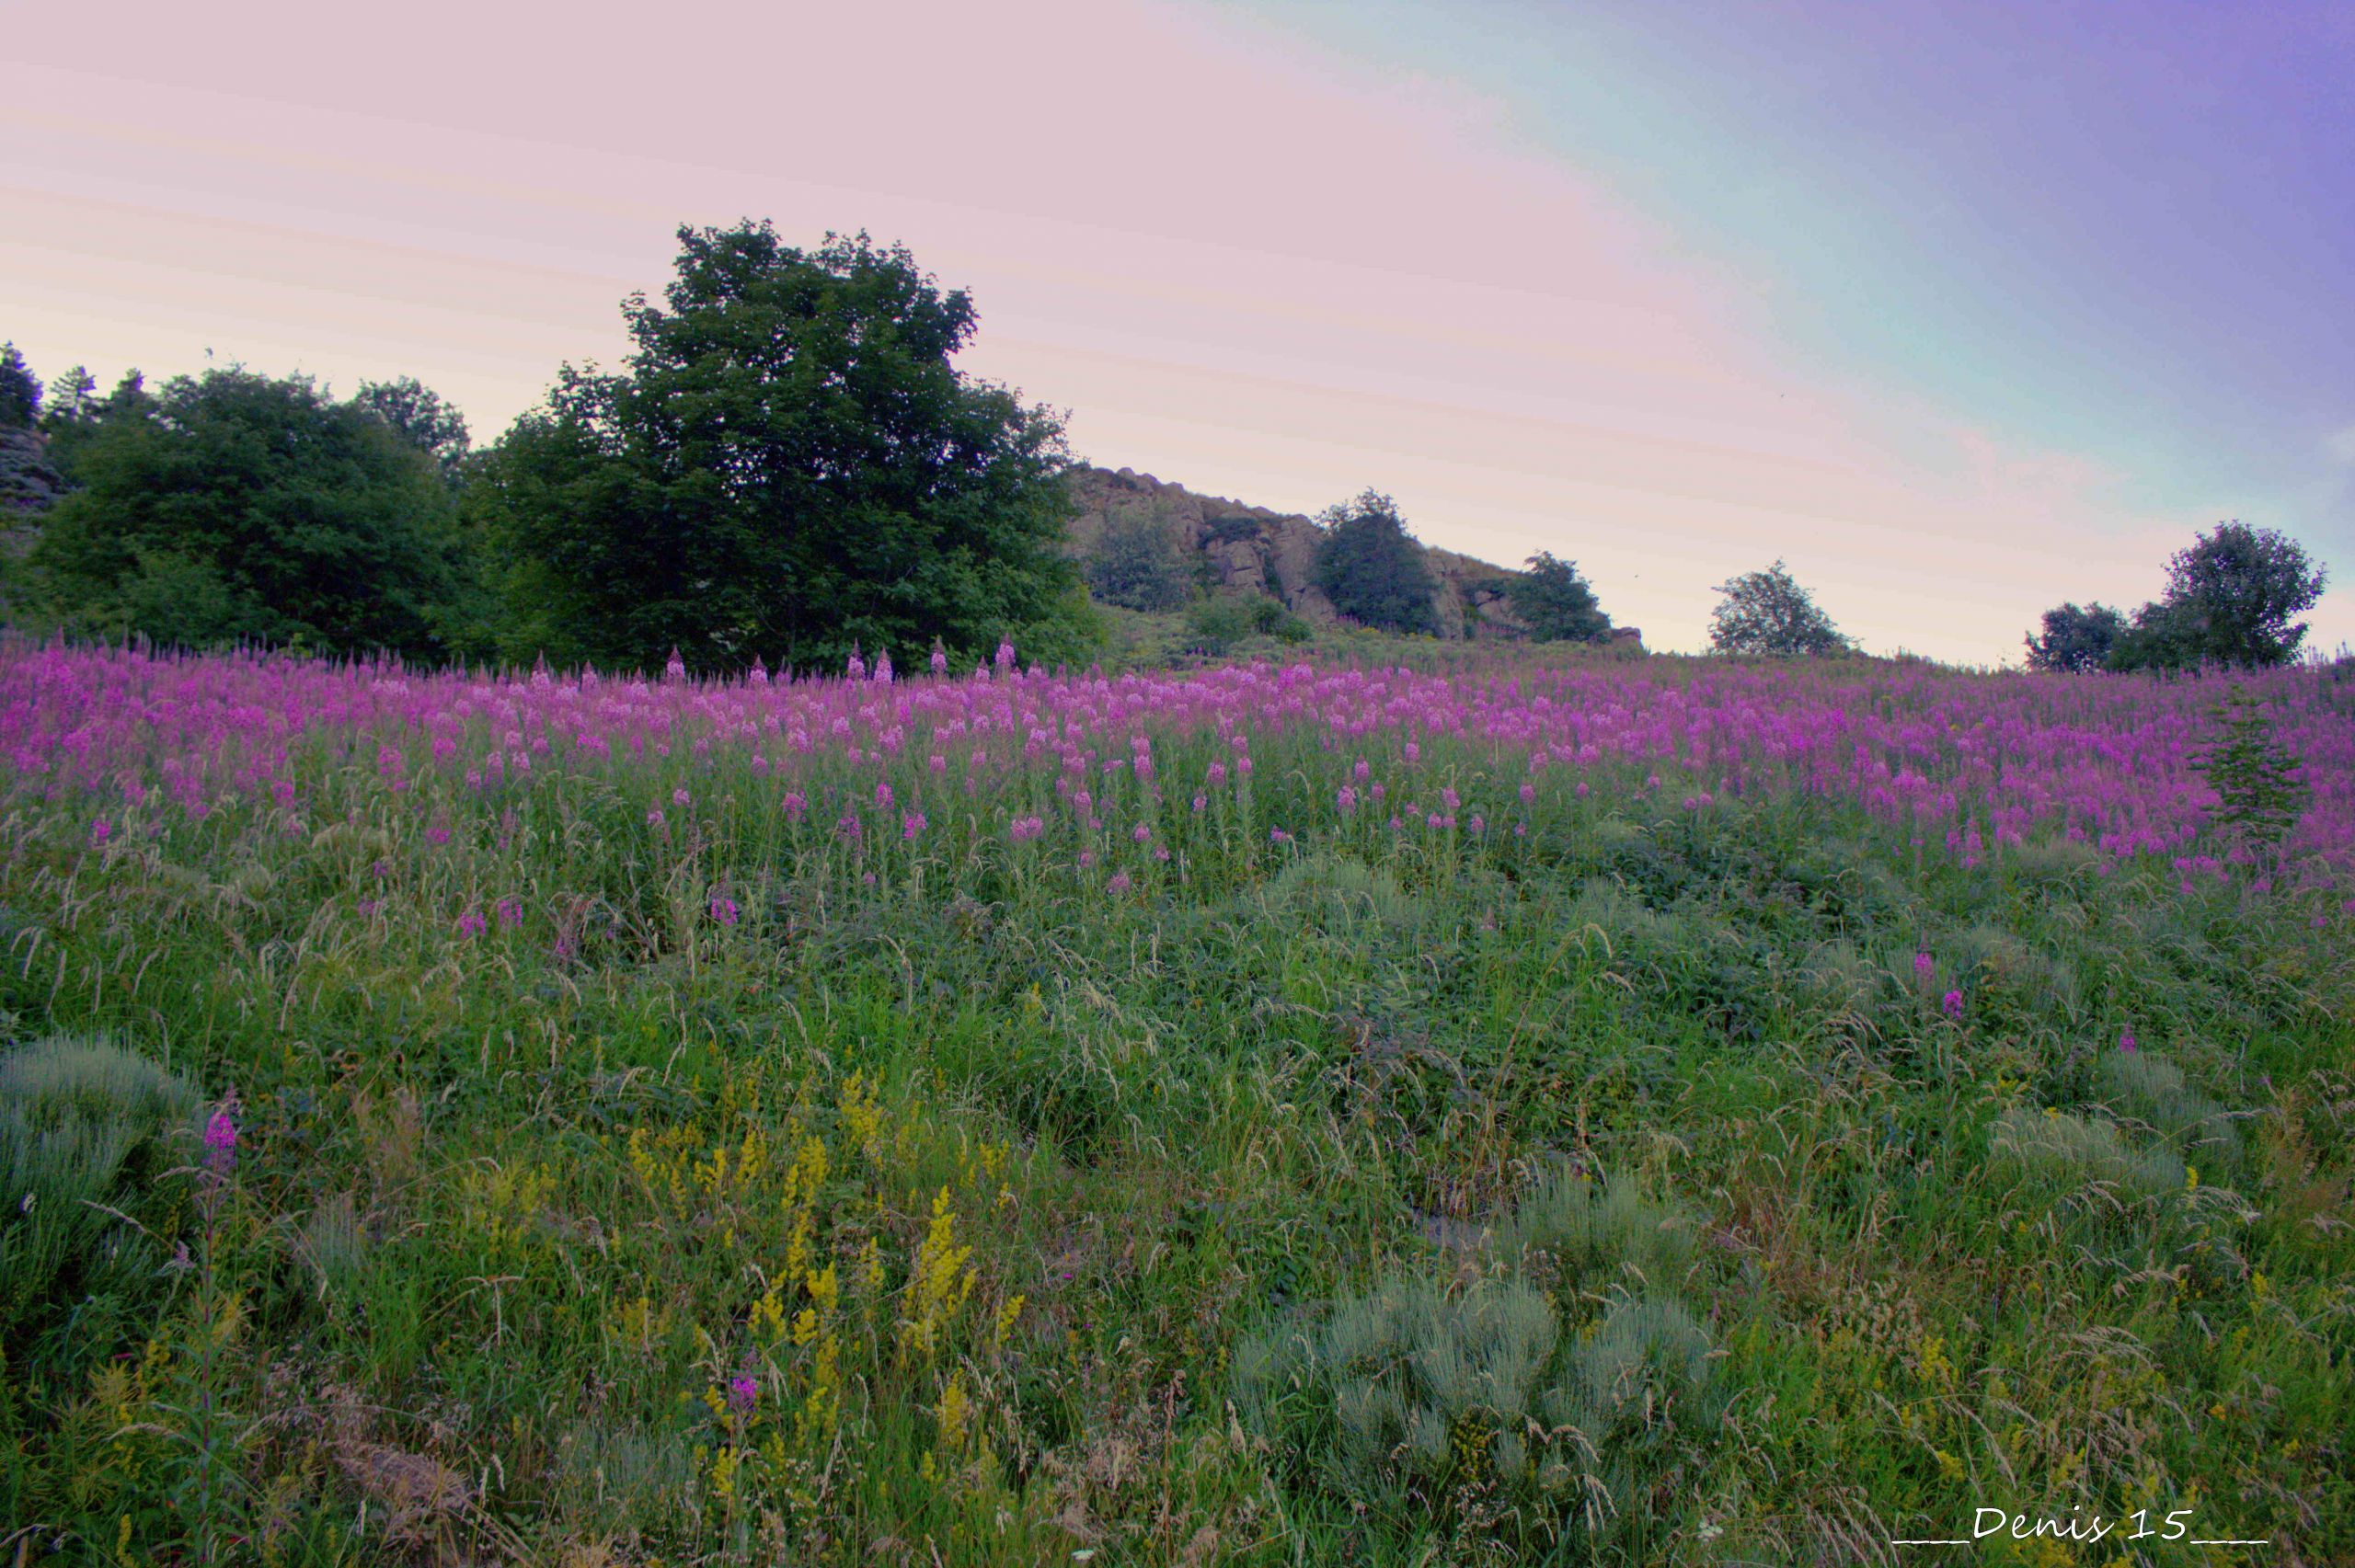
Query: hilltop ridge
point(1257, 550)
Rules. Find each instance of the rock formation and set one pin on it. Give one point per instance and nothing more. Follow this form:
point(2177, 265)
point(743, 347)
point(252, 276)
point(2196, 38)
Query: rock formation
point(1254, 550)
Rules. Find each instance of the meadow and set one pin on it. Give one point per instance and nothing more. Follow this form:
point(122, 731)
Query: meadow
point(1654, 1111)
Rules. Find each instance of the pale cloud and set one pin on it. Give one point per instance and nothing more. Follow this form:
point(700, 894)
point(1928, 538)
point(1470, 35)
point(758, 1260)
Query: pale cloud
point(2340, 444)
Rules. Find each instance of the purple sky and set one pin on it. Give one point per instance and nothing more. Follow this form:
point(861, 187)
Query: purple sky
point(1962, 309)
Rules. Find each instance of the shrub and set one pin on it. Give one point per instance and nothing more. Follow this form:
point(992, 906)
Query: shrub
point(1555, 603)
point(1543, 1399)
point(1216, 625)
point(1372, 570)
point(2073, 1150)
point(2075, 639)
point(82, 1130)
point(1135, 564)
point(2261, 792)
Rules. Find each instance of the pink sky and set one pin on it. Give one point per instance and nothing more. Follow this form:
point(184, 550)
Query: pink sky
point(1238, 263)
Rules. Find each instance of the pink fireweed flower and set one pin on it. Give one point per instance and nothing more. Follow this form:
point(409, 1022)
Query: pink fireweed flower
point(1951, 1003)
point(221, 1141)
point(883, 797)
point(511, 912)
point(759, 674)
point(437, 834)
point(1924, 967)
point(883, 668)
point(471, 924)
point(101, 830)
point(1143, 832)
point(1346, 799)
point(2126, 1040)
point(856, 668)
point(682, 799)
point(1201, 804)
point(1528, 794)
point(847, 827)
point(1005, 655)
point(793, 806)
point(675, 668)
point(743, 1393)
point(724, 909)
point(654, 819)
point(912, 824)
point(1118, 884)
point(939, 659)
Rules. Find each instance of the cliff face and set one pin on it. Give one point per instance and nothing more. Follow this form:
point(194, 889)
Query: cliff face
point(1274, 552)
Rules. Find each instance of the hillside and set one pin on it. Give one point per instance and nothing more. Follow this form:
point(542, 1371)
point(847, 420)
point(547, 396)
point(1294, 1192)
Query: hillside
point(1250, 549)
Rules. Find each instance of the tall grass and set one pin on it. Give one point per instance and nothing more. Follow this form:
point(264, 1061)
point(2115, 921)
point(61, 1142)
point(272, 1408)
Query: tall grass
point(635, 1163)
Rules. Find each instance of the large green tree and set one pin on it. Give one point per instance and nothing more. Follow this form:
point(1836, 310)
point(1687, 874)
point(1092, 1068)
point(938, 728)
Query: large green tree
point(2231, 596)
point(244, 507)
point(1556, 603)
point(1371, 567)
point(1768, 613)
point(789, 464)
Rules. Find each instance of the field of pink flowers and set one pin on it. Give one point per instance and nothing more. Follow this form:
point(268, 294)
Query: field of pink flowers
point(1013, 1116)
point(1963, 765)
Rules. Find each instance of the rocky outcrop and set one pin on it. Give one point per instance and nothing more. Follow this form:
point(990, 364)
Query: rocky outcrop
point(28, 484)
point(1254, 550)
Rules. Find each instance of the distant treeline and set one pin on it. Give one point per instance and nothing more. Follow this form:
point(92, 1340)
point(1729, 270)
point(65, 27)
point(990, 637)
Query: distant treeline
point(787, 467)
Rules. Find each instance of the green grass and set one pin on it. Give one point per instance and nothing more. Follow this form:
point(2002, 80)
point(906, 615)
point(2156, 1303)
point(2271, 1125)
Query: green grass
point(1006, 1195)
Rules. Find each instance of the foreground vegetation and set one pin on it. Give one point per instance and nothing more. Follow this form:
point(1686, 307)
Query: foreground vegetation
point(1275, 1116)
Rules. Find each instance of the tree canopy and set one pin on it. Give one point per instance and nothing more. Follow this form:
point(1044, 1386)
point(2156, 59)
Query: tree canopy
point(789, 467)
point(1768, 613)
point(20, 390)
point(2231, 596)
point(1558, 604)
point(1136, 565)
point(419, 417)
point(2075, 639)
point(243, 507)
point(1371, 567)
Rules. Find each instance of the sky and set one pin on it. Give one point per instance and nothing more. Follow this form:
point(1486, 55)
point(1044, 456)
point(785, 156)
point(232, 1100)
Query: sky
point(1960, 310)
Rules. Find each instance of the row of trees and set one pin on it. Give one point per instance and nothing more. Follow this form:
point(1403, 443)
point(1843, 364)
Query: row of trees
point(2230, 599)
point(788, 465)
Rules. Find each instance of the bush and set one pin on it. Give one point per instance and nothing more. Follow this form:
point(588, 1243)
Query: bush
point(1555, 603)
point(2075, 639)
point(1216, 625)
point(1549, 1397)
point(1136, 566)
point(1372, 570)
point(83, 1130)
